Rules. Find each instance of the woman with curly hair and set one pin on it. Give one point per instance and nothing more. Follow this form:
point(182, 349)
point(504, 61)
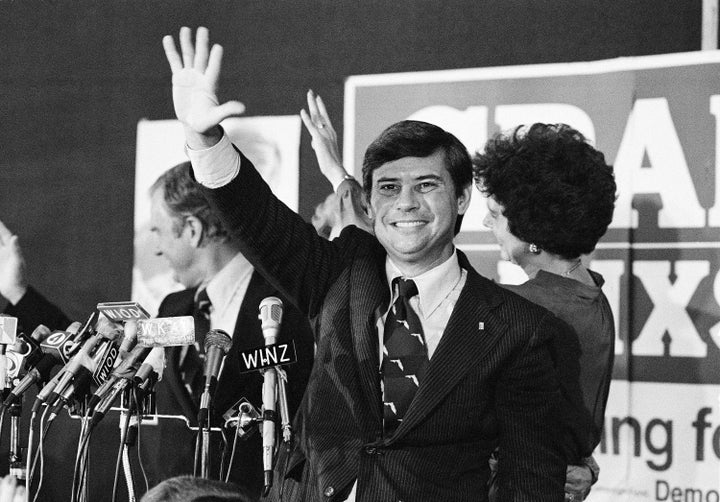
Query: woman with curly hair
point(550, 198)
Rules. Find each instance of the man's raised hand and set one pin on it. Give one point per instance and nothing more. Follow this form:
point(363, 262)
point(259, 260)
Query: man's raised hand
point(195, 76)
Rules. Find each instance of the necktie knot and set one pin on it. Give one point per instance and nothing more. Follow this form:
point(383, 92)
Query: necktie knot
point(406, 288)
point(203, 303)
point(201, 314)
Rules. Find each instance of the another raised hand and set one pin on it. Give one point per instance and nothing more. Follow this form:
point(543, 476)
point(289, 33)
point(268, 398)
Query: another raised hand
point(13, 281)
point(324, 139)
point(195, 78)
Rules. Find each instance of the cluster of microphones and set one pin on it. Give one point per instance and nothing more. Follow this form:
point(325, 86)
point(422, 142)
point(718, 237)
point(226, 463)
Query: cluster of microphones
point(119, 352)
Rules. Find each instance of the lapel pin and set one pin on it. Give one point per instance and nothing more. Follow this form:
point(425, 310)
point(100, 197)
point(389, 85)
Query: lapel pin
point(481, 326)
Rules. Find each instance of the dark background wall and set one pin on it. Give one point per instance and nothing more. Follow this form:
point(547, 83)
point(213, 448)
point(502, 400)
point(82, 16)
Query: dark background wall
point(75, 78)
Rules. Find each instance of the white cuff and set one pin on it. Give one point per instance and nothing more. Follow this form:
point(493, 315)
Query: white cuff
point(337, 184)
point(215, 166)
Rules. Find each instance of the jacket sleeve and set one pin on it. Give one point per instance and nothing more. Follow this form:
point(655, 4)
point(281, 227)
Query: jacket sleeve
point(34, 309)
point(531, 464)
point(278, 242)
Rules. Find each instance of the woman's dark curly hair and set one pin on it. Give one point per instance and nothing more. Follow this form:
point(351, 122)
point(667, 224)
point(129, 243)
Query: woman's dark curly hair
point(556, 189)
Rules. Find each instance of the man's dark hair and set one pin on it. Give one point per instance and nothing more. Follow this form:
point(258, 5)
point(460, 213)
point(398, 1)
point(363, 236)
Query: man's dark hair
point(413, 138)
point(183, 197)
point(192, 489)
point(557, 191)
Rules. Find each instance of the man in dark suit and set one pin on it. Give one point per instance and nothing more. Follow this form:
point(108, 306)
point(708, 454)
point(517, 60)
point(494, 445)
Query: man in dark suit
point(203, 258)
point(483, 375)
point(207, 260)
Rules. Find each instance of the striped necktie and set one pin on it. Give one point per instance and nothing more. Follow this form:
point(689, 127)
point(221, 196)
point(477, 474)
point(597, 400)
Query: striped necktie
point(405, 358)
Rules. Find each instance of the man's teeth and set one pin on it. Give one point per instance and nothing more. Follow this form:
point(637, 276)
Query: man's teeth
point(408, 224)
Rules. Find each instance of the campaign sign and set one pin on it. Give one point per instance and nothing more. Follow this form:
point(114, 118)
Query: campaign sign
point(656, 119)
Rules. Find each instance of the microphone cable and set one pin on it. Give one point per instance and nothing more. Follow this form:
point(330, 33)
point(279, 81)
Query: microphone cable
point(81, 458)
point(28, 453)
point(40, 454)
point(138, 410)
point(232, 451)
point(121, 450)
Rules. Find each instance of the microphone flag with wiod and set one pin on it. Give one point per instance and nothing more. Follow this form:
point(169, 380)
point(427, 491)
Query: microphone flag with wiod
point(122, 311)
point(150, 369)
point(125, 370)
point(81, 359)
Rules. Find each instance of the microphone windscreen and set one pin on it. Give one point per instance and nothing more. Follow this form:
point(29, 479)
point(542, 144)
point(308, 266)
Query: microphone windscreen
point(108, 329)
point(217, 338)
point(41, 333)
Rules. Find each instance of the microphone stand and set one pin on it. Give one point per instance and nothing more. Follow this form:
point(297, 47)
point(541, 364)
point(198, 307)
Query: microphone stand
point(204, 434)
point(17, 466)
point(276, 379)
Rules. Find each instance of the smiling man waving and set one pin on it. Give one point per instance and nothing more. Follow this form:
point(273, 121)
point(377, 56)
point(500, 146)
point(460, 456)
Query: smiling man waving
point(422, 367)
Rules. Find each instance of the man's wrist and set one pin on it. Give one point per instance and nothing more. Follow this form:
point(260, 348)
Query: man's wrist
point(203, 141)
point(339, 178)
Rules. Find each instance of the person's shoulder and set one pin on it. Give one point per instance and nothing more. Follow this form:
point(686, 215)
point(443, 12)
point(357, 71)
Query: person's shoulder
point(177, 303)
point(358, 242)
point(507, 299)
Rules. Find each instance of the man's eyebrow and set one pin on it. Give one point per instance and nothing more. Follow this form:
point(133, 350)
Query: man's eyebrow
point(425, 177)
point(422, 177)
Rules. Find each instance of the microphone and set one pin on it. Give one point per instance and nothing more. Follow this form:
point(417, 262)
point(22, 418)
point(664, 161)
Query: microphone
point(53, 350)
point(129, 338)
point(8, 331)
point(125, 370)
point(29, 346)
point(154, 364)
point(217, 344)
point(150, 370)
point(271, 312)
point(82, 358)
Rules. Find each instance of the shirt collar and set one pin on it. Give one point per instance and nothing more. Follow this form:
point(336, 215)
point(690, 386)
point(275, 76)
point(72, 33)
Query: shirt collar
point(433, 285)
point(221, 288)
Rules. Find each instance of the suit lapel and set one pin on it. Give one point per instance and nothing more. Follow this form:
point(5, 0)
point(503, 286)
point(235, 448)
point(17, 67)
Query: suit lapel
point(178, 304)
point(471, 333)
point(369, 294)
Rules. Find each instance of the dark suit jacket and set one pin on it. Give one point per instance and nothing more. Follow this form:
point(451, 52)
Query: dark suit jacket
point(490, 383)
point(34, 309)
point(175, 445)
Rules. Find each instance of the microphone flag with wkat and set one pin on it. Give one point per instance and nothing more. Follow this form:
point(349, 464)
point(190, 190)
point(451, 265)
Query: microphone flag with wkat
point(152, 336)
point(271, 312)
point(166, 331)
